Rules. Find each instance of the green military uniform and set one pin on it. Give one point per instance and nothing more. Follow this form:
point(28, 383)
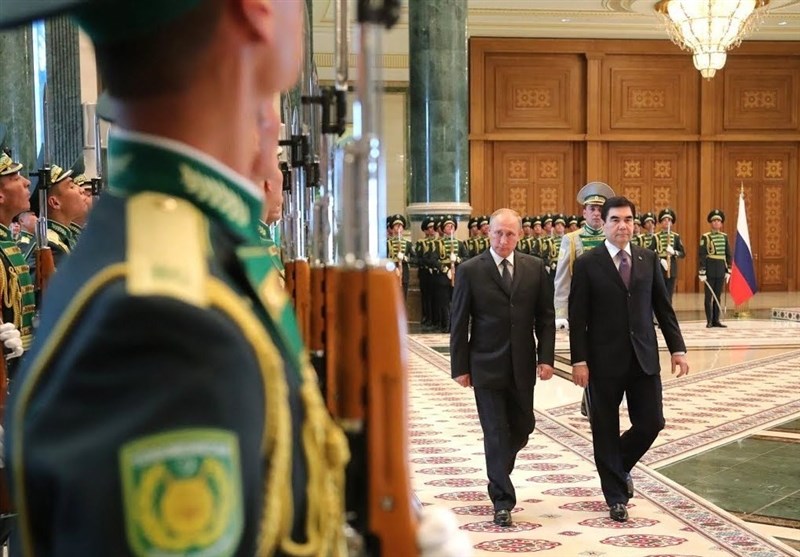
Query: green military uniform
point(273, 250)
point(445, 255)
point(715, 268)
point(171, 383)
point(669, 261)
point(647, 239)
point(27, 243)
point(425, 272)
point(401, 251)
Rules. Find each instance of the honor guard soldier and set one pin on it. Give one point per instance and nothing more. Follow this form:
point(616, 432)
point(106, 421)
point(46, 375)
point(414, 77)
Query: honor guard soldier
point(483, 224)
point(670, 248)
point(16, 286)
point(527, 232)
point(647, 238)
point(590, 235)
point(65, 203)
point(572, 223)
point(168, 377)
point(446, 255)
point(425, 271)
point(400, 250)
point(591, 197)
point(637, 225)
point(551, 245)
point(273, 193)
point(78, 222)
point(715, 266)
point(474, 232)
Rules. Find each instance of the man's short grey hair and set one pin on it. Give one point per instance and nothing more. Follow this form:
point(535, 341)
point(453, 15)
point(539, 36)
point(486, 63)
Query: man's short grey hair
point(505, 212)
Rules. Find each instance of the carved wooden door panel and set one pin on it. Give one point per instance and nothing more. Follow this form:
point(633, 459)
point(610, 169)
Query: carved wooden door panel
point(534, 177)
point(766, 172)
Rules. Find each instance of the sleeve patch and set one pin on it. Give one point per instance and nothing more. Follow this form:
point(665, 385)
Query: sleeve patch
point(182, 493)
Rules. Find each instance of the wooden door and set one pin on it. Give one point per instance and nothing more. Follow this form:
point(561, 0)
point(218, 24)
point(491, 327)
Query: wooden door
point(534, 177)
point(656, 175)
point(766, 172)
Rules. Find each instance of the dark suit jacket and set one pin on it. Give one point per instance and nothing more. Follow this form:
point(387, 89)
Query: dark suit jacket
point(610, 324)
point(499, 350)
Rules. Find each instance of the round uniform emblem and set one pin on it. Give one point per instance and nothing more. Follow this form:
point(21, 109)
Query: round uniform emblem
point(182, 493)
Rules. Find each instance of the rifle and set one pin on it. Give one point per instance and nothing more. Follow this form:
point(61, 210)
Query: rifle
point(371, 344)
point(451, 273)
point(45, 265)
point(669, 243)
point(324, 275)
point(293, 237)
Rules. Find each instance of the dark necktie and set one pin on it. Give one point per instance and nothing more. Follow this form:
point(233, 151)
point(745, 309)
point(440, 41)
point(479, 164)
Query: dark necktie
point(625, 267)
point(506, 274)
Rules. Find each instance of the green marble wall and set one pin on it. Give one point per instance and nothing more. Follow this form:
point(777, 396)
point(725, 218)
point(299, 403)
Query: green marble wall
point(438, 109)
point(16, 94)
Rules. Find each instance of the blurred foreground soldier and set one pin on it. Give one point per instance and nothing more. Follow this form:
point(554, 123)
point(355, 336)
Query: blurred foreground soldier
point(715, 266)
point(16, 286)
point(171, 383)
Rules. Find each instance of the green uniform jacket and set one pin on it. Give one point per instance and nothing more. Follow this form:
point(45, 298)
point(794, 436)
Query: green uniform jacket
point(161, 409)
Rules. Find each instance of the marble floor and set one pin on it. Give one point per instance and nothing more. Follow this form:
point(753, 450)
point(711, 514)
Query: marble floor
point(731, 445)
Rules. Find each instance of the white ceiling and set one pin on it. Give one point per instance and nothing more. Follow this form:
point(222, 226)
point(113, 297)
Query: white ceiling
point(607, 19)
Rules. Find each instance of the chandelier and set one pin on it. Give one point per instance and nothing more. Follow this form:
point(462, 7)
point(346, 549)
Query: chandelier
point(709, 28)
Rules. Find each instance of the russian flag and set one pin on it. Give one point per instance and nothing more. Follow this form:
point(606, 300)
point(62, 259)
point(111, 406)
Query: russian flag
point(743, 276)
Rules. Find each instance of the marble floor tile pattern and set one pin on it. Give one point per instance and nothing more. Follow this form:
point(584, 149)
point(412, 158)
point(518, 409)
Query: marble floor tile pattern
point(560, 509)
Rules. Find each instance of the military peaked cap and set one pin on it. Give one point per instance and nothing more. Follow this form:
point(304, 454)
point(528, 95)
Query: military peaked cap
point(667, 214)
point(648, 216)
point(595, 193)
point(716, 214)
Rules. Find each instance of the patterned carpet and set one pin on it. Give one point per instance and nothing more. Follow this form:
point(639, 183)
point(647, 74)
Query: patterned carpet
point(560, 509)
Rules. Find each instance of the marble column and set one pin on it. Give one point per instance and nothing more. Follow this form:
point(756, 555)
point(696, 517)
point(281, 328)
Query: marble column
point(64, 78)
point(438, 108)
point(16, 94)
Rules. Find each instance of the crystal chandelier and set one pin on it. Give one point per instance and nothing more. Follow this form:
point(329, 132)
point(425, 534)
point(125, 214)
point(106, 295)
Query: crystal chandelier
point(709, 27)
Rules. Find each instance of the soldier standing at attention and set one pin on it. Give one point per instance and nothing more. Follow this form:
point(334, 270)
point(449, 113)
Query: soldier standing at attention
point(572, 223)
point(173, 381)
point(425, 272)
point(670, 248)
point(399, 250)
point(715, 266)
point(647, 239)
point(18, 303)
point(591, 197)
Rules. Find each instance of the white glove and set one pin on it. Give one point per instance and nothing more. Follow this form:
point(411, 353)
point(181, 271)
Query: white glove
point(10, 337)
point(453, 257)
point(562, 323)
point(401, 256)
point(670, 250)
point(438, 535)
point(727, 278)
point(702, 277)
point(664, 264)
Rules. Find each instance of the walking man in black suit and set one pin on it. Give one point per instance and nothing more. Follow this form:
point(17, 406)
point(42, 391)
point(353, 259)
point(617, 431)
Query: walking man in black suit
point(507, 297)
point(615, 291)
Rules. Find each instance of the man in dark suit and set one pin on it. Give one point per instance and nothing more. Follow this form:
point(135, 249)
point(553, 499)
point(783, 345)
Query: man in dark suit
point(615, 291)
point(508, 298)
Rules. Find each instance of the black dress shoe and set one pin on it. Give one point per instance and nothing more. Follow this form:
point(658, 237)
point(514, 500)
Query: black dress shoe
point(720, 325)
point(629, 485)
point(618, 512)
point(503, 517)
point(709, 325)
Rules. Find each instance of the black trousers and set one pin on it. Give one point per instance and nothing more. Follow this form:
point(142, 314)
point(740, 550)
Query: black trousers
point(507, 421)
point(615, 454)
point(670, 286)
point(426, 300)
point(712, 309)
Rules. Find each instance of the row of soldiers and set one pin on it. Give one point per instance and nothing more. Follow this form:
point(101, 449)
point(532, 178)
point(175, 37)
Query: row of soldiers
point(551, 237)
point(69, 200)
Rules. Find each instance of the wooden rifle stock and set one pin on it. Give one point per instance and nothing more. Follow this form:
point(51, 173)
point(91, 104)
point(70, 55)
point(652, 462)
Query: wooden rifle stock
point(298, 287)
point(323, 327)
point(373, 409)
point(45, 267)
